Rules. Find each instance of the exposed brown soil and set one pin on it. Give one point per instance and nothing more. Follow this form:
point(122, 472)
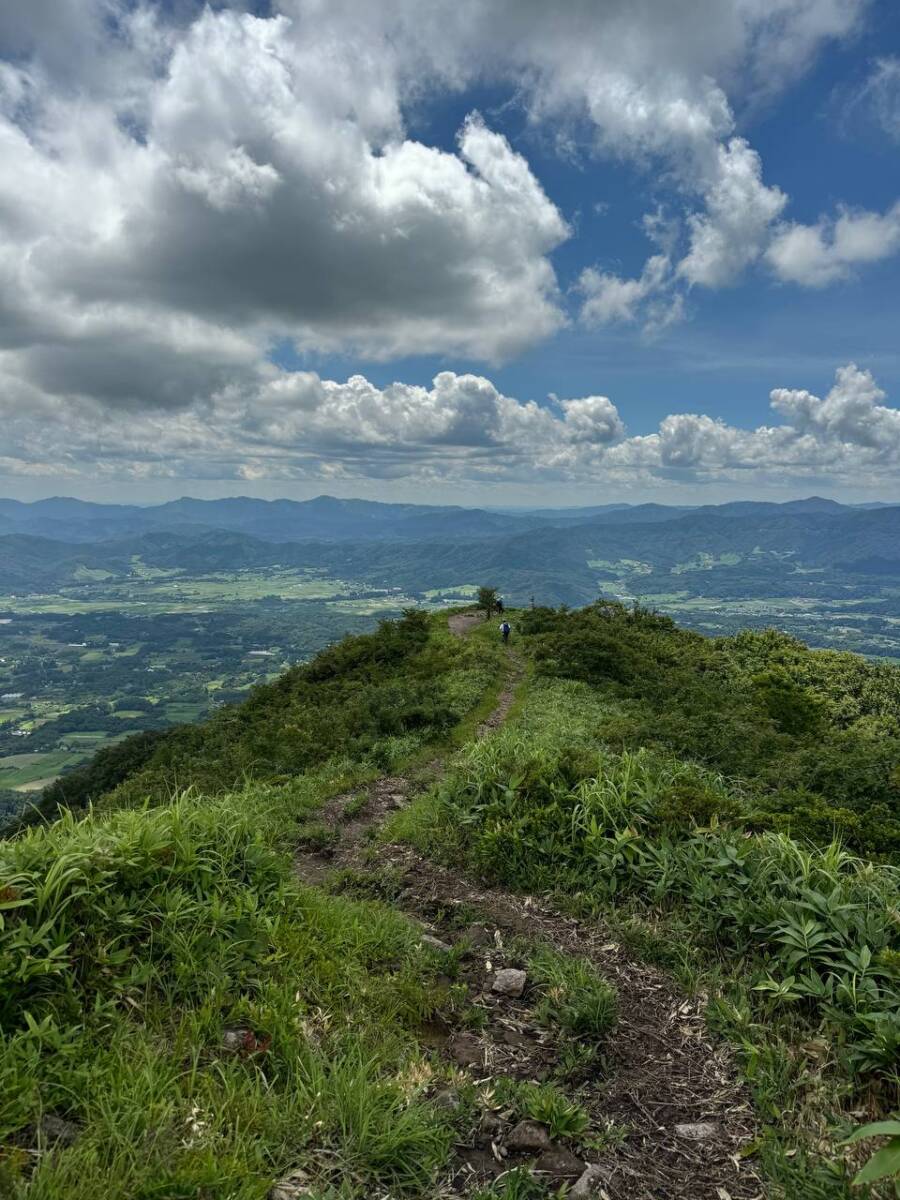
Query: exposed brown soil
point(461, 623)
point(658, 1069)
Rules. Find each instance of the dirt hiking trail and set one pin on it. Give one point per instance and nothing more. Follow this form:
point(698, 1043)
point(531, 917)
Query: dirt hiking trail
point(666, 1092)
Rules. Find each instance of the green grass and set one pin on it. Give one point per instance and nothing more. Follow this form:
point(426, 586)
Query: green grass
point(544, 1102)
point(796, 945)
point(134, 939)
point(137, 940)
point(573, 996)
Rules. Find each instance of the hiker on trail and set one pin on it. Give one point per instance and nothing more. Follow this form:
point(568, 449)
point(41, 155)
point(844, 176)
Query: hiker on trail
point(504, 631)
point(499, 606)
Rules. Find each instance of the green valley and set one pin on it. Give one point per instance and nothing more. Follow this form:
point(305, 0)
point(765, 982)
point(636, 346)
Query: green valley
point(90, 665)
point(147, 618)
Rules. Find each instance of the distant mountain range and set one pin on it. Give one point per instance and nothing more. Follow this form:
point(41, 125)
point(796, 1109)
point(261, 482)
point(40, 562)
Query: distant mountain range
point(329, 519)
point(324, 518)
point(565, 555)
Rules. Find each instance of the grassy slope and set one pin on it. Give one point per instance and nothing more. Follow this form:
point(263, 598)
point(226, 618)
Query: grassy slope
point(136, 937)
point(797, 946)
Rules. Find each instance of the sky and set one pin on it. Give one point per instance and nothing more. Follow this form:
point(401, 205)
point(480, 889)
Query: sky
point(468, 251)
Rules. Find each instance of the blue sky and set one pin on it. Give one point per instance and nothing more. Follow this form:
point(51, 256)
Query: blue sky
point(403, 250)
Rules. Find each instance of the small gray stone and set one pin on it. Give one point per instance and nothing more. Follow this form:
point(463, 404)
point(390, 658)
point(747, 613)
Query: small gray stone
point(477, 935)
point(57, 1129)
point(697, 1132)
point(528, 1135)
point(589, 1183)
point(447, 1098)
point(560, 1162)
point(466, 1050)
point(234, 1040)
point(293, 1187)
point(428, 939)
point(509, 982)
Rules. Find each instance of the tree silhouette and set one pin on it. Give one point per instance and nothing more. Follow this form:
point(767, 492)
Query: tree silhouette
point(487, 599)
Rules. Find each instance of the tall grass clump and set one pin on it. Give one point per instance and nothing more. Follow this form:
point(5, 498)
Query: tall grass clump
point(574, 997)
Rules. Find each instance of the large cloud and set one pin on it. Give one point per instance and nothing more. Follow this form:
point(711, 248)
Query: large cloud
point(185, 186)
point(239, 174)
point(295, 424)
point(650, 81)
point(257, 174)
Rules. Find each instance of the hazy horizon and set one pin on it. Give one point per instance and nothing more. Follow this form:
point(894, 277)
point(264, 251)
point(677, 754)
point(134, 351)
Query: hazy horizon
point(606, 499)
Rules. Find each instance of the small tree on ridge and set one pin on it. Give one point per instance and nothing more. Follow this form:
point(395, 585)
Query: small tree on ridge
point(487, 599)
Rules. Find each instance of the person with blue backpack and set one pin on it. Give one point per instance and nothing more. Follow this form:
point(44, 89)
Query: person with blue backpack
point(505, 631)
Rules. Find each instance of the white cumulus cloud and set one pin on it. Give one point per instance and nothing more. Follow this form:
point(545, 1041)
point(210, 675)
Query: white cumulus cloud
point(282, 425)
point(188, 186)
point(816, 255)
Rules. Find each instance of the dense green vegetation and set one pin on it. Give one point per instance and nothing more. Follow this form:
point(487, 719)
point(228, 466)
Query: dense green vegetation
point(202, 1022)
point(812, 736)
point(353, 701)
point(373, 697)
point(123, 664)
point(207, 1025)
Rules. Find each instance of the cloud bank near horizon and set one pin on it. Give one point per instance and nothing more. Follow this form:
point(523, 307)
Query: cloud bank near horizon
point(294, 427)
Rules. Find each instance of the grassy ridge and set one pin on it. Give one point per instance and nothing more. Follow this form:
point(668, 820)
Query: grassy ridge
point(206, 1025)
point(203, 1023)
point(812, 736)
point(373, 697)
point(797, 944)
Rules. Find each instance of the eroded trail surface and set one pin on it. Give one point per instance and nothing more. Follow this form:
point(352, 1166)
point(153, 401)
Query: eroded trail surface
point(663, 1089)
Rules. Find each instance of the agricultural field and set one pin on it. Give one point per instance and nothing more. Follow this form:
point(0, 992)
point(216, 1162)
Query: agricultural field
point(156, 591)
point(720, 596)
point(85, 667)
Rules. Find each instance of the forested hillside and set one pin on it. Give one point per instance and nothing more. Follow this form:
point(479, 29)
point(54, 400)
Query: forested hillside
point(611, 909)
